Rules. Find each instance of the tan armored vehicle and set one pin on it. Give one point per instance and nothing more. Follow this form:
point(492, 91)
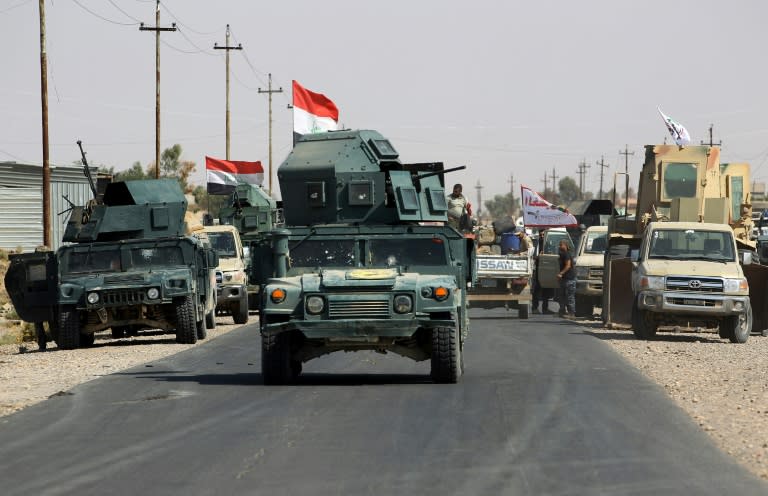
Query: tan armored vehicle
point(687, 195)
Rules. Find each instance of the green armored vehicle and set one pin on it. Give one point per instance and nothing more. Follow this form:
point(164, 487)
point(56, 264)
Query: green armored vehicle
point(366, 260)
point(129, 265)
point(254, 213)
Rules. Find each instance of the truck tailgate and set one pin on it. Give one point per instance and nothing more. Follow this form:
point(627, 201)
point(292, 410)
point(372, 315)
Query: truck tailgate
point(503, 266)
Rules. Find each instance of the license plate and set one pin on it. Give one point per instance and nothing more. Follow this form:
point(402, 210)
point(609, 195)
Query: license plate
point(488, 283)
point(693, 302)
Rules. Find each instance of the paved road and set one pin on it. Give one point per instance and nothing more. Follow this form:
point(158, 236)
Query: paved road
point(544, 408)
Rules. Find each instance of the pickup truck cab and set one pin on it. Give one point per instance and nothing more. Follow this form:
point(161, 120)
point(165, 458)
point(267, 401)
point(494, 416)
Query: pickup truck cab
point(688, 274)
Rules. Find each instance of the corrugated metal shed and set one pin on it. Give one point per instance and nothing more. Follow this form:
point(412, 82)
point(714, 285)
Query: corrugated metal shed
point(21, 202)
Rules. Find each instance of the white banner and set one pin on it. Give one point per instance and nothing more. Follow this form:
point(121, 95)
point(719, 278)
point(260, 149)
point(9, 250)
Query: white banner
point(538, 212)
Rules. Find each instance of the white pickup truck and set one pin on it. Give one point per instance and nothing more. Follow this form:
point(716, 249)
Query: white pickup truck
point(502, 280)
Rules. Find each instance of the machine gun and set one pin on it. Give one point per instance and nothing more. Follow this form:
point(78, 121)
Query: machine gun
point(86, 169)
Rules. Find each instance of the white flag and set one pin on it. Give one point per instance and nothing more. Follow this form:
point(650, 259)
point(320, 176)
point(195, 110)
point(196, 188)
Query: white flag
point(678, 131)
point(538, 212)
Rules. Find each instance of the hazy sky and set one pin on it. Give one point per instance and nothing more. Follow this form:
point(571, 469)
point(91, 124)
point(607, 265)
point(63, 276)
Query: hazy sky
point(508, 88)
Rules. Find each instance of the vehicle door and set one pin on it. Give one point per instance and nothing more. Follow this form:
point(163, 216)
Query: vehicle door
point(32, 284)
point(549, 258)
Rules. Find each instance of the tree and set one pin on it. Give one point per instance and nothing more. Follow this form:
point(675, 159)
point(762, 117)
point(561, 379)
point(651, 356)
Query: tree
point(569, 190)
point(211, 203)
point(135, 172)
point(502, 206)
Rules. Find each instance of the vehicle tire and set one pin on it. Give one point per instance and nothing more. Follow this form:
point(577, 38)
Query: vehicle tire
point(446, 356)
point(186, 327)
point(201, 330)
point(210, 319)
point(276, 366)
point(87, 340)
point(240, 314)
point(643, 327)
point(738, 327)
point(119, 332)
point(584, 306)
point(69, 328)
point(523, 310)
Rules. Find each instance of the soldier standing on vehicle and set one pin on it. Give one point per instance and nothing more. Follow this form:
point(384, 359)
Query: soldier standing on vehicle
point(567, 276)
point(458, 207)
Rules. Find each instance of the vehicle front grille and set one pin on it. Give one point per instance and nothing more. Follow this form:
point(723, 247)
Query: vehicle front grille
point(596, 273)
point(125, 297)
point(372, 309)
point(695, 284)
point(123, 279)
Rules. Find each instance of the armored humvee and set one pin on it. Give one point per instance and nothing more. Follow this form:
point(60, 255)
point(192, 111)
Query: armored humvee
point(128, 265)
point(366, 260)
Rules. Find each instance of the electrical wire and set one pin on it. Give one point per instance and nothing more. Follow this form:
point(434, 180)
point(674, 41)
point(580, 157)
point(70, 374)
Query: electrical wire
point(15, 6)
point(126, 14)
point(179, 23)
point(102, 17)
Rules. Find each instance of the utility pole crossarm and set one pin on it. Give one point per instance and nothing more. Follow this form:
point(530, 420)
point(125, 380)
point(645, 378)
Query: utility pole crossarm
point(269, 92)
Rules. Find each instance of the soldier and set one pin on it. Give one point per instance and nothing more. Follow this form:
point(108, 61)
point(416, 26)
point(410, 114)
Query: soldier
point(458, 207)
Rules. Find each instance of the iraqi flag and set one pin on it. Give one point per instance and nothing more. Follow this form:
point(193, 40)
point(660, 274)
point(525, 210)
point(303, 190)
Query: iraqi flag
point(312, 112)
point(538, 212)
point(224, 175)
point(677, 130)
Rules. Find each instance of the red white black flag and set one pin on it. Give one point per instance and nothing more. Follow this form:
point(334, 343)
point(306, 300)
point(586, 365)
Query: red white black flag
point(313, 112)
point(224, 175)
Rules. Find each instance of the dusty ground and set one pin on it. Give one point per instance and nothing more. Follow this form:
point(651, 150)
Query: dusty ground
point(722, 386)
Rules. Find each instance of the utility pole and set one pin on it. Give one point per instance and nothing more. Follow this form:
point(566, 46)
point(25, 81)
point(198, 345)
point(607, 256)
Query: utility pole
point(479, 188)
point(157, 29)
point(582, 172)
point(269, 92)
point(47, 235)
point(626, 154)
point(226, 49)
point(511, 182)
point(545, 185)
point(554, 178)
point(602, 165)
point(711, 140)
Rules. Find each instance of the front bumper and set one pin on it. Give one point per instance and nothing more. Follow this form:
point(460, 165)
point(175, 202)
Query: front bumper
point(715, 305)
point(230, 292)
point(357, 328)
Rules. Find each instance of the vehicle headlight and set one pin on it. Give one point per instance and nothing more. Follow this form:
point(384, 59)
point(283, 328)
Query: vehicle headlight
point(403, 304)
point(735, 285)
point(153, 293)
point(315, 304)
point(651, 282)
point(277, 295)
point(582, 272)
point(92, 298)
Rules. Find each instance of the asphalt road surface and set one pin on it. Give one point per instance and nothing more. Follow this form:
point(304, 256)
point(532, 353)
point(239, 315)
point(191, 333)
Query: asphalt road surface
point(543, 408)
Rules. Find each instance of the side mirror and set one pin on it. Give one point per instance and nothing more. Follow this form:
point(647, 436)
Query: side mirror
point(745, 257)
point(634, 255)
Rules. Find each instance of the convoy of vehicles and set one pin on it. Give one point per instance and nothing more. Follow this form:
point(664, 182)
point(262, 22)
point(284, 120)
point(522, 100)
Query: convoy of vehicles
point(503, 280)
point(129, 266)
point(684, 195)
point(366, 260)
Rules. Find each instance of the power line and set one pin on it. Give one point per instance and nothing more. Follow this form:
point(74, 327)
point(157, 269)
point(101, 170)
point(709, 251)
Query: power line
point(15, 6)
point(126, 14)
point(102, 17)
